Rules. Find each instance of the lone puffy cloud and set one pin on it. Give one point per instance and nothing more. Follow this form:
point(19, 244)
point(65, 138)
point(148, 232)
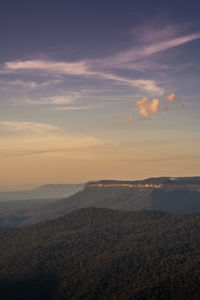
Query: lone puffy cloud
point(147, 106)
point(171, 97)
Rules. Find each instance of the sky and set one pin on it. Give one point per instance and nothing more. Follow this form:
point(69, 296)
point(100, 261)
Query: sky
point(94, 90)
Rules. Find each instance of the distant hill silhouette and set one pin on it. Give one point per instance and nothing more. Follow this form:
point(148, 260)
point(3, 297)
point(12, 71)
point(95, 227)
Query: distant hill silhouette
point(43, 192)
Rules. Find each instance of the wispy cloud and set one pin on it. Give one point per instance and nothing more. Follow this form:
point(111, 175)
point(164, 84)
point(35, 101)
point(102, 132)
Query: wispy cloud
point(46, 151)
point(140, 52)
point(78, 107)
point(143, 84)
point(28, 84)
point(85, 68)
point(29, 138)
point(185, 157)
point(68, 68)
point(139, 58)
point(31, 127)
point(65, 99)
point(21, 83)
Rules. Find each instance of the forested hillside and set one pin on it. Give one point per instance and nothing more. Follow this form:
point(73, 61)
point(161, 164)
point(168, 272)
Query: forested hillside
point(103, 254)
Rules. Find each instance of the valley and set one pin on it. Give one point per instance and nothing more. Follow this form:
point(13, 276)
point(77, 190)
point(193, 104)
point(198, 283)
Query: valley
point(181, 195)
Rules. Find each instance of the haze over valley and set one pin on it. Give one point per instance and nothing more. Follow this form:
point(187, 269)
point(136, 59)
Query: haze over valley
point(172, 195)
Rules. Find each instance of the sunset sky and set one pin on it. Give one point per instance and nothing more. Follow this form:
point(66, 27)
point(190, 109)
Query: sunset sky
point(98, 90)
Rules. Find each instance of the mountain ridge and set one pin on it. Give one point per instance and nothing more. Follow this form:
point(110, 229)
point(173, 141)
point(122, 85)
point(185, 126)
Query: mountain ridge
point(170, 197)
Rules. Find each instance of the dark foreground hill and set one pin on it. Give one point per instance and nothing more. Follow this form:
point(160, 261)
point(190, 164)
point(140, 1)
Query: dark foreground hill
point(103, 254)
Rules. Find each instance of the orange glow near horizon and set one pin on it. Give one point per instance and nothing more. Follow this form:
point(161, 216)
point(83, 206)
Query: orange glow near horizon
point(126, 185)
point(35, 153)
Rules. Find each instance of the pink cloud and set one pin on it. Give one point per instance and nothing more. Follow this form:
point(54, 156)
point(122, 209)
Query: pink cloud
point(68, 68)
point(147, 106)
point(171, 97)
point(121, 116)
point(157, 40)
point(82, 68)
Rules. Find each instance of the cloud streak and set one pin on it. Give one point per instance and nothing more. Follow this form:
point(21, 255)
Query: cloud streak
point(83, 69)
point(175, 158)
point(78, 107)
point(105, 69)
point(31, 127)
point(65, 99)
point(28, 84)
point(28, 138)
point(137, 53)
point(47, 151)
point(143, 84)
point(67, 68)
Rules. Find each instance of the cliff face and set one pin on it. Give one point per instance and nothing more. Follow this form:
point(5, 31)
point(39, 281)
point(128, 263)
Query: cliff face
point(124, 185)
point(165, 184)
point(173, 196)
